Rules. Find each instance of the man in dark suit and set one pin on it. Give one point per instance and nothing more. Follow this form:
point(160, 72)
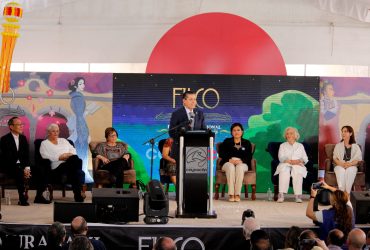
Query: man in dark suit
point(185, 118)
point(15, 157)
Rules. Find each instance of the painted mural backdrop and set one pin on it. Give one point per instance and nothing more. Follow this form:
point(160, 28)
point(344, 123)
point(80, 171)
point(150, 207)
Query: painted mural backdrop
point(344, 101)
point(75, 101)
point(265, 105)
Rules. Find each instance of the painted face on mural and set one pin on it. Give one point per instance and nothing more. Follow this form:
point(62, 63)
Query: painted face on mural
point(81, 85)
point(190, 101)
point(329, 91)
point(17, 127)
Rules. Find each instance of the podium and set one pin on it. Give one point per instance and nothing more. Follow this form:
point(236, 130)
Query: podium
point(195, 150)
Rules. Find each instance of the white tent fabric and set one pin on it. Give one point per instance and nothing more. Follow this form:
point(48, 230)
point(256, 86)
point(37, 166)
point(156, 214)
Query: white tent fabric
point(126, 31)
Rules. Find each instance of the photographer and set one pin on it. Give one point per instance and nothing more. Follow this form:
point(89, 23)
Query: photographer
point(339, 216)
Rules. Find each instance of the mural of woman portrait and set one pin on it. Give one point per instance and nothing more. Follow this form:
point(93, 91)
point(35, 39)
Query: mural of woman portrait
point(77, 124)
point(329, 112)
point(328, 104)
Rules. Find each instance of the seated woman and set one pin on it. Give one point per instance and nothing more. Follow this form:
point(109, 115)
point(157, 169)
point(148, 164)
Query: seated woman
point(114, 155)
point(293, 158)
point(236, 155)
point(63, 160)
point(339, 216)
point(346, 156)
point(170, 165)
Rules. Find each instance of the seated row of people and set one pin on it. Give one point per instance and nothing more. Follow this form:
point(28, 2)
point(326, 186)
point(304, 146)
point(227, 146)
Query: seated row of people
point(235, 152)
point(63, 157)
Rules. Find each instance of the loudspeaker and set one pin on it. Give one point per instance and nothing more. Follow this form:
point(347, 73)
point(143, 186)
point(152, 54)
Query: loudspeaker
point(361, 206)
point(116, 204)
point(155, 204)
point(65, 212)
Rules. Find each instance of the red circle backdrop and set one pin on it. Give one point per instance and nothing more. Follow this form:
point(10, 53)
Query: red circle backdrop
point(216, 43)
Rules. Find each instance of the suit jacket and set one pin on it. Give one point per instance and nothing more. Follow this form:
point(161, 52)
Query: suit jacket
point(180, 118)
point(9, 152)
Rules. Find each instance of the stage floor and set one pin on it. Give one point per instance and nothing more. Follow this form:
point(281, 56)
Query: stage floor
point(269, 213)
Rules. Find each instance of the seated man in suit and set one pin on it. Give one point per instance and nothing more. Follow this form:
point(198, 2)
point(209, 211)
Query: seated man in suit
point(63, 160)
point(15, 157)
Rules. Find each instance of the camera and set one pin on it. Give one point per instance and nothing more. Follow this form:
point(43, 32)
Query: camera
point(247, 213)
point(316, 185)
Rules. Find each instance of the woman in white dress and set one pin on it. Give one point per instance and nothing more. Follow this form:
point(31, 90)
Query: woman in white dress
point(346, 157)
point(293, 158)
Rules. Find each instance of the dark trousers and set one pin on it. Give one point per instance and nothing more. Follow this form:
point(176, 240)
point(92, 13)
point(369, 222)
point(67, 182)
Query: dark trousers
point(72, 167)
point(17, 172)
point(116, 169)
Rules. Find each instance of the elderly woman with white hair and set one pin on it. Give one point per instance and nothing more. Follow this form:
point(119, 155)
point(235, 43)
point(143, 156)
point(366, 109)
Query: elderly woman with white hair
point(293, 158)
point(63, 160)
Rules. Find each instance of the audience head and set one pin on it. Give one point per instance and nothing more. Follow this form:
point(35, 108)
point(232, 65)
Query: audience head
point(356, 239)
point(343, 213)
point(235, 127)
point(291, 134)
point(164, 243)
point(80, 243)
point(260, 240)
point(189, 99)
point(110, 132)
point(307, 239)
point(56, 234)
point(349, 129)
point(77, 84)
point(250, 224)
point(291, 237)
point(79, 226)
point(336, 237)
point(15, 125)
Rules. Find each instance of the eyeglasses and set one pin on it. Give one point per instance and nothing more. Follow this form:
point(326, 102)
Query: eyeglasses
point(20, 124)
point(112, 135)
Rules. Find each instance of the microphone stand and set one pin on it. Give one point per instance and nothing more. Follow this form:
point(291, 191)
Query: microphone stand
point(152, 142)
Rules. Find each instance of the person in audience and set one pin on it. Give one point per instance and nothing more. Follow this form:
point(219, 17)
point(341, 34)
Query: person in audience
point(368, 240)
point(164, 243)
point(63, 160)
point(308, 240)
point(339, 216)
point(292, 157)
point(236, 155)
point(170, 165)
point(260, 240)
point(79, 228)
point(56, 236)
point(80, 243)
point(250, 224)
point(15, 155)
point(114, 155)
point(346, 157)
point(356, 239)
point(291, 238)
point(335, 239)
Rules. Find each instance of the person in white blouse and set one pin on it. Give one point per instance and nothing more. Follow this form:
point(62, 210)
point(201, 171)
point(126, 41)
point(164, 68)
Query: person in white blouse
point(63, 160)
point(346, 157)
point(293, 158)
